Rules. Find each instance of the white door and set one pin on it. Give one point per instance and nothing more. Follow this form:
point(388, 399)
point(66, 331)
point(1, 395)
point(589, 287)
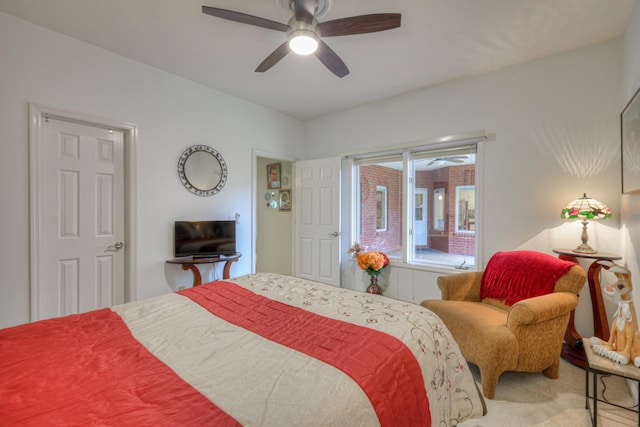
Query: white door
point(317, 220)
point(80, 219)
point(420, 217)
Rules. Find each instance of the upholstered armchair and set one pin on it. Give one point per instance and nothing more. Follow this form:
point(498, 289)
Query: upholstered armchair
point(513, 315)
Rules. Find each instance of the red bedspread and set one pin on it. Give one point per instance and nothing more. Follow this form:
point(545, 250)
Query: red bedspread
point(87, 370)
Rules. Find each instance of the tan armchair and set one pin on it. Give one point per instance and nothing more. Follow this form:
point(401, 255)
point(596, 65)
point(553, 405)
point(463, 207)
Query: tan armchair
point(526, 335)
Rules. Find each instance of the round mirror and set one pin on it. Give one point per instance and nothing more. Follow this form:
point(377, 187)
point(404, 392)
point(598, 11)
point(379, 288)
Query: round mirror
point(202, 170)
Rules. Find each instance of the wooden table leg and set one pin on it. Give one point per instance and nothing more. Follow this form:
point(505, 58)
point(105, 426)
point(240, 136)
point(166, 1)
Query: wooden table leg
point(226, 273)
point(573, 347)
point(600, 328)
point(197, 277)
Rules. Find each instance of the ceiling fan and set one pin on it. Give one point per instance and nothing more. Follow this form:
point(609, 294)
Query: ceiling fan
point(451, 159)
point(304, 32)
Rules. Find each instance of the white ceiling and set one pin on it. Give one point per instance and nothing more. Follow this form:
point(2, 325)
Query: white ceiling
point(439, 40)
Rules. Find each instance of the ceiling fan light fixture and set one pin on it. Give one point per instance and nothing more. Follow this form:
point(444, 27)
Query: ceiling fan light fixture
point(303, 42)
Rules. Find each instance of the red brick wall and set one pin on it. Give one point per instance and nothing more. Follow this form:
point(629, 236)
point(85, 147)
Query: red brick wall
point(372, 176)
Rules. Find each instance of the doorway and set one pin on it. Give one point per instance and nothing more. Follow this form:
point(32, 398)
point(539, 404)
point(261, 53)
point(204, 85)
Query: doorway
point(274, 221)
point(311, 189)
point(82, 204)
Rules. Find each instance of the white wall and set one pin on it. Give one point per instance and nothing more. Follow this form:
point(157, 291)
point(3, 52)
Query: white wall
point(630, 222)
point(556, 123)
point(171, 113)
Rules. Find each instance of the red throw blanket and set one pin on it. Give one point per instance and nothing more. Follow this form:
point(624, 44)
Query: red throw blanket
point(87, 370)
point(517, 275)
point(382, 365)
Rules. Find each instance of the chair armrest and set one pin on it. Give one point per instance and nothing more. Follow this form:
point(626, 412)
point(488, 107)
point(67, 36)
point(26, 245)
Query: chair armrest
point(460, 286)
point(539, 309)
point(572, 281)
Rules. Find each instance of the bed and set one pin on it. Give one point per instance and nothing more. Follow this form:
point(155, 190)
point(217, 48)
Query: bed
point(256, 350)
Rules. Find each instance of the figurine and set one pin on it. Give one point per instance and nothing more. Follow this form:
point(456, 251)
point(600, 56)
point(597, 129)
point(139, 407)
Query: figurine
point(624, 341)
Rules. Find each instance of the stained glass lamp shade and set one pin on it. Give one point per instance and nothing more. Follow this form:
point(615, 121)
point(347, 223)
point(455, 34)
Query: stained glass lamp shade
point(585, 209)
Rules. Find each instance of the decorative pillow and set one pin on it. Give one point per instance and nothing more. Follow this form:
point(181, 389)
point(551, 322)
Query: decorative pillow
point(516, 275)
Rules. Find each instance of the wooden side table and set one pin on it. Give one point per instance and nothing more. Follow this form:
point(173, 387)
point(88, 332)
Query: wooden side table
point(599, 365)
point(573, 347)
point(191, 263)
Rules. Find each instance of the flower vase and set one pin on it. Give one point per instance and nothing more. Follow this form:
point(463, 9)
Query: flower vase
point(373, 287)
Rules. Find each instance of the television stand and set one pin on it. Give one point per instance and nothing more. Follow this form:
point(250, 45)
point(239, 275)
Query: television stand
point(191, 263)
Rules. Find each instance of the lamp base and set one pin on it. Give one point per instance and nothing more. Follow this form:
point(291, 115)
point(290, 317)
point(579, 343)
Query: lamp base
point(585, 249)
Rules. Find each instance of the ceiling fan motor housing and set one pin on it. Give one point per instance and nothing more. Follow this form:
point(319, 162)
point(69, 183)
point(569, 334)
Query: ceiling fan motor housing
point(303, 29)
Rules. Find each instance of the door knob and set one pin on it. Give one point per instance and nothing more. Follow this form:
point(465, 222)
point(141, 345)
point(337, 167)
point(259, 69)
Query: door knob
point(117, 246)
point(334, 234)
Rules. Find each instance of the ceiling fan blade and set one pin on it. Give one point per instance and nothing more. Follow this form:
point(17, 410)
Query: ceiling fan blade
point(304, 9)
point(273, 59)
point(360, 24)
point(243, 18)
point(331, 60)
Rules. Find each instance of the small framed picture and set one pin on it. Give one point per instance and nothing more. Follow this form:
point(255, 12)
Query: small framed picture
point(273, 175)
point(285, 200)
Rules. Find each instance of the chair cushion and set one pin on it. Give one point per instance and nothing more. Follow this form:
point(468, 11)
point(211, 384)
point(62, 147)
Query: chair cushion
point(468, 316)
point(479, 329)
point(516, 275)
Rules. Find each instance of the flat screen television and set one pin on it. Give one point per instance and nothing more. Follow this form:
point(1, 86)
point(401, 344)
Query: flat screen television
point(204, 239)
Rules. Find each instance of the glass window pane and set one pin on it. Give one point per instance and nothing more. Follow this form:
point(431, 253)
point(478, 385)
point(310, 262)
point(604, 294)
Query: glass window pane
point(438, 209)
point(445, 235)
point(466, 208)
point(380, 207)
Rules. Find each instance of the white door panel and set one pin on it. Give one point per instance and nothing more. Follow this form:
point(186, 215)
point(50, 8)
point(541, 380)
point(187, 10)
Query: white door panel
point(317, 228)
point(304, 261)
point(81, 219)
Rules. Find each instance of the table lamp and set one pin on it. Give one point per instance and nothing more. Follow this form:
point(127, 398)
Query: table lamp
point(585, 208)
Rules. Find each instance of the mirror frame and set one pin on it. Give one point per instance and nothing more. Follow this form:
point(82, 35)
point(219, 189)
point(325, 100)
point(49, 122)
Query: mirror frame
point(205, 192)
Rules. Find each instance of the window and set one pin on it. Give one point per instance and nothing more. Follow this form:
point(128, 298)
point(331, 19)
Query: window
point(381, 208)
point(418, 205)
point(438, 209)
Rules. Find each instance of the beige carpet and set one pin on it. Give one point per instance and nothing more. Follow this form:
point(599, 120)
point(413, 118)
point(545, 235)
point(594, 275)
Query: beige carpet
point(526, 399)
